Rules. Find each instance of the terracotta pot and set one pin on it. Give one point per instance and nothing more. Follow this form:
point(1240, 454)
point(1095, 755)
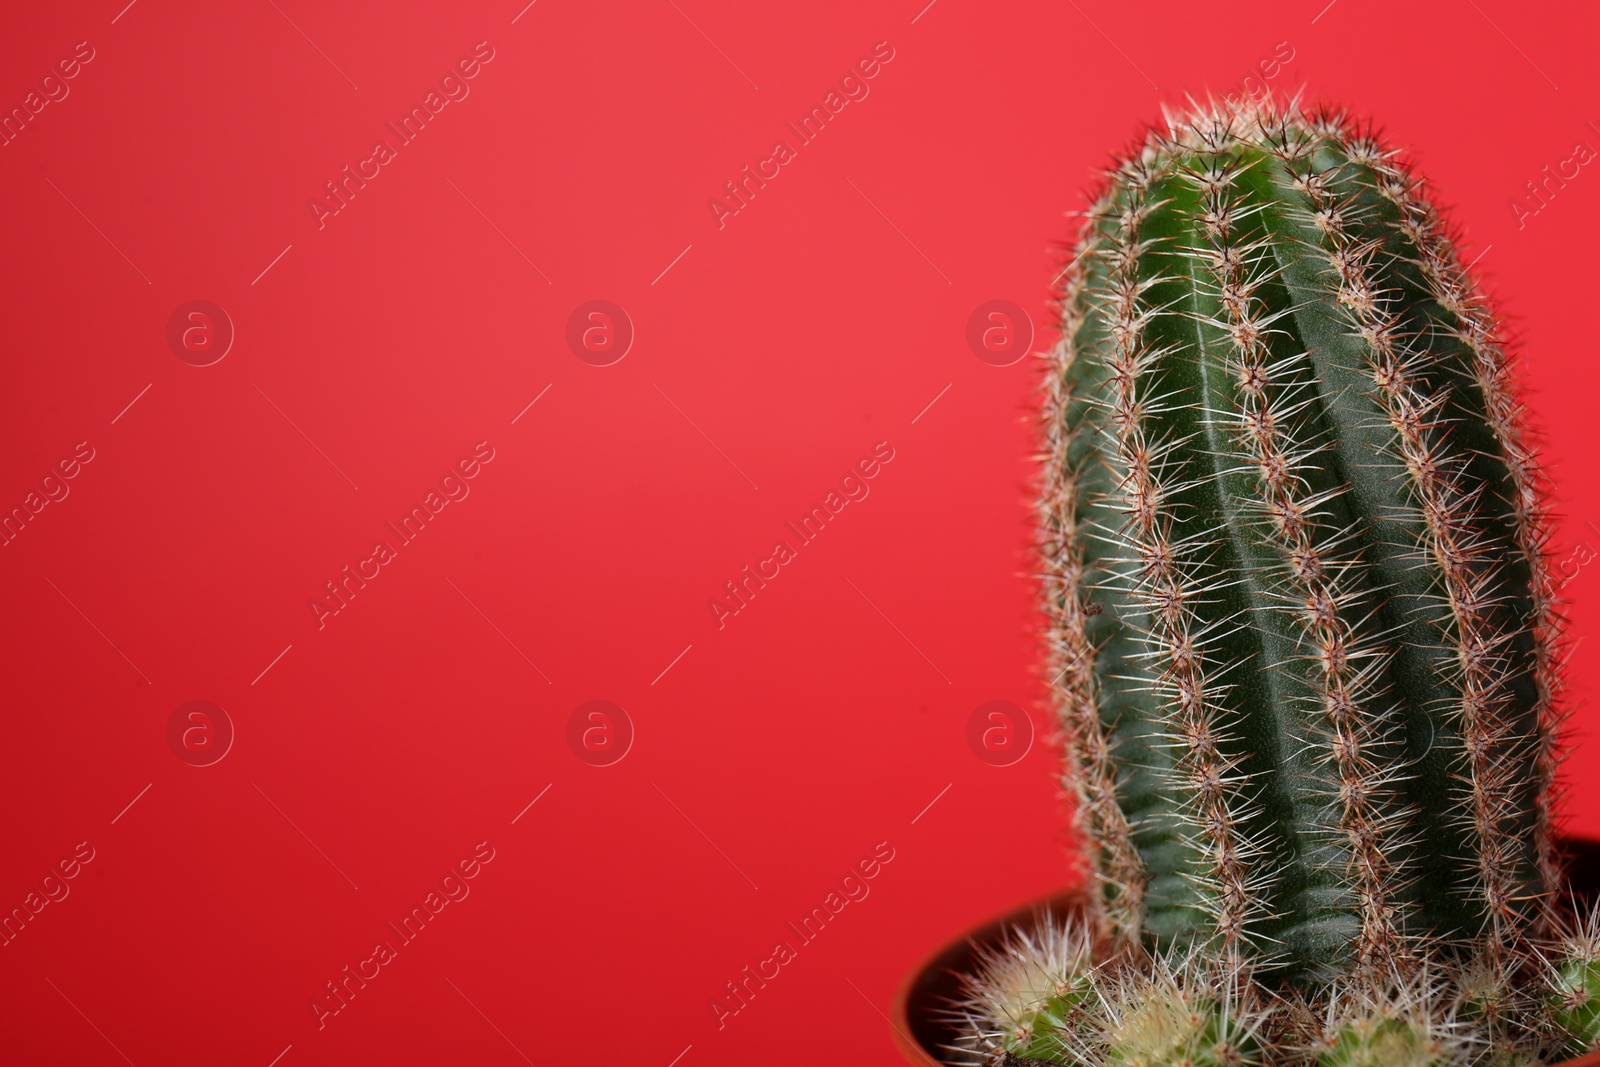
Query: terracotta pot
point(922, 1033)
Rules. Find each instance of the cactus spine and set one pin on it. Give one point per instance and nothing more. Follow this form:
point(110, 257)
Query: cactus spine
point(1294, 548)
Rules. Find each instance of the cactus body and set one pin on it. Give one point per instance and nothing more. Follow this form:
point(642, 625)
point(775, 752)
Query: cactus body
point(1382, 1041)
point(1294, 562)
point(1573, 996)
point(1031, 989)
point(1576, 1001)
point(1175, 1031)
point(1301, 632)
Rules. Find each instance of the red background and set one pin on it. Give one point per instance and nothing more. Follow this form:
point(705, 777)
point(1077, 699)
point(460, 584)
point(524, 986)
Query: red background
point(819, 321)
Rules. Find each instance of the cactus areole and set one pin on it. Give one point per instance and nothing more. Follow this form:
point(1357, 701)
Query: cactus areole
point(1294, 555)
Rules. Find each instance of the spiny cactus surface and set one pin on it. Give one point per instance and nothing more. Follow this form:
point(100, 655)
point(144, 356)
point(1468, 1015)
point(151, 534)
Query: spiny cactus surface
point(1302, 639)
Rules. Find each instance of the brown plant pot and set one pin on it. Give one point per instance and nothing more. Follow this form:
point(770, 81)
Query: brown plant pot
point(922, 1033)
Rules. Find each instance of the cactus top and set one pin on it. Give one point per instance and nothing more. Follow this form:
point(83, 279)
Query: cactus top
point(1294, 552)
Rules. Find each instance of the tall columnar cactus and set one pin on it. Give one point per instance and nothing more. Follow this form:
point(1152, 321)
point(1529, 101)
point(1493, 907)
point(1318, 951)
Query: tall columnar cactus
point(1301, 634)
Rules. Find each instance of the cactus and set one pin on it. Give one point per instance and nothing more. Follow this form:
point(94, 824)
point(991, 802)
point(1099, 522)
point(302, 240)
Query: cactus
point(1030, 988)
point(1174, 1010)
point(1573, 975)
point(1303, 646)
point(1399, 1033)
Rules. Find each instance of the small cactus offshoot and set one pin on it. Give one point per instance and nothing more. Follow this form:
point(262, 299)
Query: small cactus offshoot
point(1574, 985)
point(1410, 1023)
point(1303, 644)
point(1176, 1012)
point(1031, 988)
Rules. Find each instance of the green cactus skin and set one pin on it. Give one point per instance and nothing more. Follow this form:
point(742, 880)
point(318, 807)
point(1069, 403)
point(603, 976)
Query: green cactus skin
point(1294, 562)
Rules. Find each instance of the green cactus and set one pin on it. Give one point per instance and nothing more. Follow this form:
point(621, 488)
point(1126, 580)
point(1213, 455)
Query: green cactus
point(1174, 1012)
point(1408, 1023)
point(1576, 1000)
point(1382, 1041)
point(1573, 997)
point(1032, 987)
point(1301, 633)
